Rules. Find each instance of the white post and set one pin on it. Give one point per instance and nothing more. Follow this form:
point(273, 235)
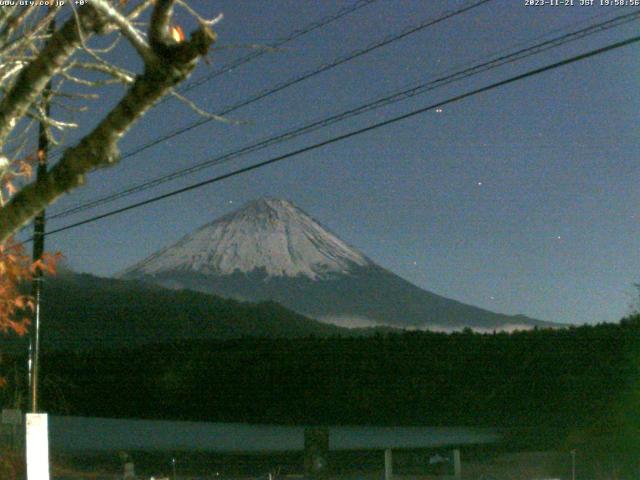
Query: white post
point(457, 464)
point(388, 464)
point(37, 446)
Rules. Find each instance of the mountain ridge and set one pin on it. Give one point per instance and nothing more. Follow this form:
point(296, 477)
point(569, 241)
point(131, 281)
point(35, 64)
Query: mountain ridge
point(272, 250)
point(84, 312)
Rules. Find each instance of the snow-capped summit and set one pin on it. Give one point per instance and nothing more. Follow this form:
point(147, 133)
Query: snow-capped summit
point(272, 250)
point(269, 235)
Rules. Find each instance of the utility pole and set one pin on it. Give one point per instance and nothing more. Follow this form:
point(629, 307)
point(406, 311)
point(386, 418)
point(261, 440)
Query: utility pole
point(38, 250)
point(38, 245)
point(37, 424)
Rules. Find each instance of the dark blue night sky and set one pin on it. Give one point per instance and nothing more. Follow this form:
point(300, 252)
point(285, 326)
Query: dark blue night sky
point(524, 199)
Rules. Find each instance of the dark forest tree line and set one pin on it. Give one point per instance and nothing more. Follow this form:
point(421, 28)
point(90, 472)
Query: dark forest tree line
point(561, 378)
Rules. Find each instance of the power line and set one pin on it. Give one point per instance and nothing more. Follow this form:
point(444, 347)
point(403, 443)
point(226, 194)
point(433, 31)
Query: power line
point(305, 76)
point(386, 100)
point(278, 43)
point(354, 133)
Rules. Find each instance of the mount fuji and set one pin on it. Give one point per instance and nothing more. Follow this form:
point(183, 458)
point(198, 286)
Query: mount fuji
point(272, 250)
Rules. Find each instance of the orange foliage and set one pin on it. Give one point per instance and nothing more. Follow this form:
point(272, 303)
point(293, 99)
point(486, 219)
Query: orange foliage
point(19, 170)
point(16, 268)
point(177, 34)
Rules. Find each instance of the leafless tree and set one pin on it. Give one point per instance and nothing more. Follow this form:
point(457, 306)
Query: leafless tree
point(70, 60)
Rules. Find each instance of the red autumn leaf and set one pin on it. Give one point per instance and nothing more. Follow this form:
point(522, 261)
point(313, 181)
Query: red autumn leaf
point(25, 169)
point(20, 302)
point(177, 34)
point(16, 268)
point(11, 188)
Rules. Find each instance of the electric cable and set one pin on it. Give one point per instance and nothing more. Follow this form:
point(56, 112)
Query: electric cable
point(277, 44)
point(305, 76)
point(353, 133)
point(386, 100)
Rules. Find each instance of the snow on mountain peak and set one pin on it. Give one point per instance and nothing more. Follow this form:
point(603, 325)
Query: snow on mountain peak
point(267, 234)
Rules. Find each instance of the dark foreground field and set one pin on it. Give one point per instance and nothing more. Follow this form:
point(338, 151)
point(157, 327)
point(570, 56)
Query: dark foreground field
point(345, 466)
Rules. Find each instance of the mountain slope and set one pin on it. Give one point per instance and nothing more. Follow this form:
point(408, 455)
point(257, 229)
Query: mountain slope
point(272, 250)
point(365, 298)
point(85, 312)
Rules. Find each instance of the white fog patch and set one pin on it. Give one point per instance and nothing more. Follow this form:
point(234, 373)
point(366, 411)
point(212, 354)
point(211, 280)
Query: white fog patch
point(347, 321)
point(507, 328)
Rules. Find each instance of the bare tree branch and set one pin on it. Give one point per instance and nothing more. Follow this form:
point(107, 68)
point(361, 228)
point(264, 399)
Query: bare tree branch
point(203, 21)
point(15, 21)
point(203, 113)
point(31, 35)
point(126, 27)
point(170, 64)
point(33, 78)
point(139, 9)
point(159, 29)
point(118, 73)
